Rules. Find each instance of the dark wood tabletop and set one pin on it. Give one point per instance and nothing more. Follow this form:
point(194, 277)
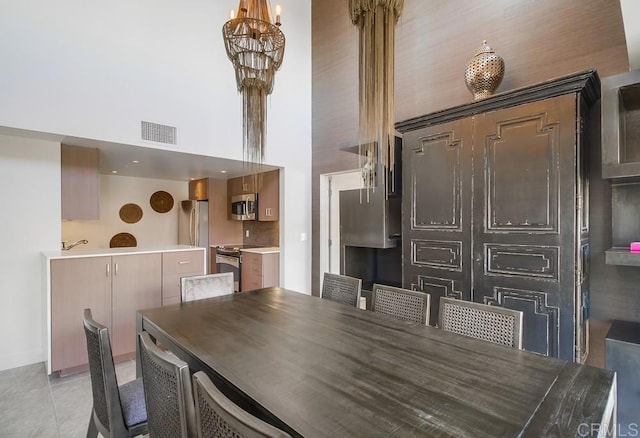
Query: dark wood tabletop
point(321, 369)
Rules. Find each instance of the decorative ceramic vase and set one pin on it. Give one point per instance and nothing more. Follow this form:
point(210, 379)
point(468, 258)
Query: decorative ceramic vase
point(484, 72)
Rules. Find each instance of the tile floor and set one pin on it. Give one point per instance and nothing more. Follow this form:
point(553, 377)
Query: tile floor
point(33, 404)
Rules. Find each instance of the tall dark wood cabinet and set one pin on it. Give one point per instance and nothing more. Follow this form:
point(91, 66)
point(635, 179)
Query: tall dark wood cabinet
point(495, 208)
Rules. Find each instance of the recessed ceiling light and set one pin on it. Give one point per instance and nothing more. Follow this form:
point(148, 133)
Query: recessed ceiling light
point(135, 161)
point(114, 171)
point(191, 179)
point(223, 171)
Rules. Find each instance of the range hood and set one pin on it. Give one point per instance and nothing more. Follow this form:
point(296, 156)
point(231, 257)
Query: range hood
point(369, 218)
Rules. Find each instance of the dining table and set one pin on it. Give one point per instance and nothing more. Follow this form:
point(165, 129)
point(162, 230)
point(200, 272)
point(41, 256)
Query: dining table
point(317, 368)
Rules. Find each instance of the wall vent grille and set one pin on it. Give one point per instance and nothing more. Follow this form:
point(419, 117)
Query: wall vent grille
point(159, 133)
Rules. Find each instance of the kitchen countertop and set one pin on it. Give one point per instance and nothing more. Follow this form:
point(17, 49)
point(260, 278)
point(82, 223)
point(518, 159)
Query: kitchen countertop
point(267, 250)
point(98, 252)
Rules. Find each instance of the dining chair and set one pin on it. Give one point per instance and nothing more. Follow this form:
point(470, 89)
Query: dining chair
point(481, 321)
point(167, 391)
point(198, 287)
point(217, 416)
point(401, 303)
point(118, 411)
point(342, 289)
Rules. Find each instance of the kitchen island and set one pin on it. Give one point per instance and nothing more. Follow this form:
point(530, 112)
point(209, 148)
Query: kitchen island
point(114, 283)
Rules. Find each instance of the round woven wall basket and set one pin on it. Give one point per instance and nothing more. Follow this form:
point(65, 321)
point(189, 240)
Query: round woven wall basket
point(130, 213)
point(161, 201)
point(123, 240)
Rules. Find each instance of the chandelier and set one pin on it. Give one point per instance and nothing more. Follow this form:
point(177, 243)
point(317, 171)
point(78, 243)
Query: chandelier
point(376, 20)
point(255, 46)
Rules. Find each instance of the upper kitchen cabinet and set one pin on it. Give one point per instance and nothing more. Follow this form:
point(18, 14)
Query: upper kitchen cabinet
point(80, 182)
point(199, 189)
point(621, 126)
point(269, 196)
point(266, 185)
point(241, 185)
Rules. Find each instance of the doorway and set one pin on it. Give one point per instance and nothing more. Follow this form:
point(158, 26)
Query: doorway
point(330, 186)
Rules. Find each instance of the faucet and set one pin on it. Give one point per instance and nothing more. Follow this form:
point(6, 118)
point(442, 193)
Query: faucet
point(79, 242)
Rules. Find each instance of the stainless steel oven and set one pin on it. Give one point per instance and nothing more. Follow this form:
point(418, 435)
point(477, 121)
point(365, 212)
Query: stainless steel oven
point(228, 260)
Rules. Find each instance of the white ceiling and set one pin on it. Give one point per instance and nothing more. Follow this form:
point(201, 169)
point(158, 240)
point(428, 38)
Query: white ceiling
point(162, 164)
point(153, 163)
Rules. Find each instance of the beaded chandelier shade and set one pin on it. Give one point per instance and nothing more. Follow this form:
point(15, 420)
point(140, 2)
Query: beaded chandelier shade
point(255, 46)
point(376, 20)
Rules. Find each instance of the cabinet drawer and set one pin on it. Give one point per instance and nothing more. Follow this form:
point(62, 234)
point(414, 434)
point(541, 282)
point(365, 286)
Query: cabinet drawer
point(182, 262)
point(253, 283)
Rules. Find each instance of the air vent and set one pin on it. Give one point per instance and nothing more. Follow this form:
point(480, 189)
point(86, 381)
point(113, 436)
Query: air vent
point(159, 133)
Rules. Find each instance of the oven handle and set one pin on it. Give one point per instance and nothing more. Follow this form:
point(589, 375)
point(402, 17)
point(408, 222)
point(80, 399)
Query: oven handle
point(229, 260)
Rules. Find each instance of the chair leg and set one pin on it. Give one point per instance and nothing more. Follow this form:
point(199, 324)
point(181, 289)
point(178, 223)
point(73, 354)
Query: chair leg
point(92, 430)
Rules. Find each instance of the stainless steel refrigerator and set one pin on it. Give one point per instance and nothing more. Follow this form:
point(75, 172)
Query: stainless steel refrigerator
point(193, 225)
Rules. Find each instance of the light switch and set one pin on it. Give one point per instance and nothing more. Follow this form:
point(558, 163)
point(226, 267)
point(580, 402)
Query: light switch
point(303, 236)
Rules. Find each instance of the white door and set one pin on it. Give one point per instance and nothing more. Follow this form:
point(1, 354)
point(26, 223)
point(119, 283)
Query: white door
point(330, 186)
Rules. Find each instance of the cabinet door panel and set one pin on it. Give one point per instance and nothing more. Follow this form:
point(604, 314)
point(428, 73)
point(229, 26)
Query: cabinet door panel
point(137, 285)
point(437, 211)
point(80, 182)
point(249, 279)
point(269, 196)
point(524, 238)
point(77, 284)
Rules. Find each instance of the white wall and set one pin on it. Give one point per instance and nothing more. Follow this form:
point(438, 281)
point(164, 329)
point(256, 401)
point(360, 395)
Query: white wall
point(94, 70)
point(631, 18)
point(30, 193)
point(153, 229)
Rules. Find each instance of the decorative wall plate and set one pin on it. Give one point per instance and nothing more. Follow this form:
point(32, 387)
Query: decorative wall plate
point(161, 201)
point(130, 213)
point(123, 240)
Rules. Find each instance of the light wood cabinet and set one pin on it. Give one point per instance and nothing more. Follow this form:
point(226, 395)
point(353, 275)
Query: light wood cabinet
point(241, 185)
point(199, 189)
point(176, 265)
point(267, 187)
point(259, 270)
point(136, 283)
point(269, 196)
point(77, 284)
point(80, 182)
point(114, 288)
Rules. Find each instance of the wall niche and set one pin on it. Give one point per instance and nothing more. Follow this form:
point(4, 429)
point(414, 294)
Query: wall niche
point(621, 162)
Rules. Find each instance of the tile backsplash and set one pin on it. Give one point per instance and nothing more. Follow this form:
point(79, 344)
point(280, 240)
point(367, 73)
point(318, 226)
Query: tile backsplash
point(261, 233)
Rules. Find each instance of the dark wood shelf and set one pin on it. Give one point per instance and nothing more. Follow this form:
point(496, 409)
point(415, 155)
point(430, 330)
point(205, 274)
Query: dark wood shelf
point(622, 257)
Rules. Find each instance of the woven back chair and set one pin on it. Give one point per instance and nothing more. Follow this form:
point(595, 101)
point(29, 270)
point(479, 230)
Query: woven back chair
point(118, 411)
point(489, 323)
point(198, 287)
point(342, 289)
point(401, 303)
point(217, 416)
point(167, 391)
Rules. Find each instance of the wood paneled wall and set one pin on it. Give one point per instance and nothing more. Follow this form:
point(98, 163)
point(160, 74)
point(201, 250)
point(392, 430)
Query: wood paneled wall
point(539, 40)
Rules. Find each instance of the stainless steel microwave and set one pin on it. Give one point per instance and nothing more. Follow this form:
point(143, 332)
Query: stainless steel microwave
point(244, 207)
